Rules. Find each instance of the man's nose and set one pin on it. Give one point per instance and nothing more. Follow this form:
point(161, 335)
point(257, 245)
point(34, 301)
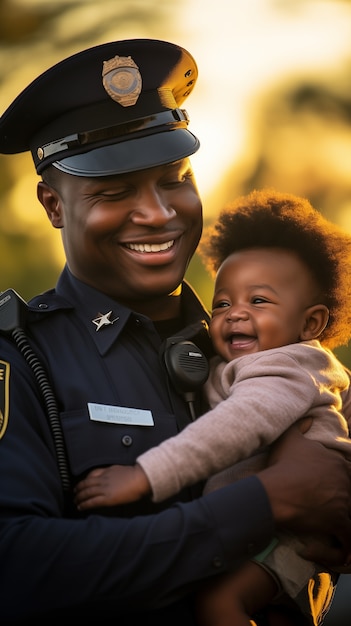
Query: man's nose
point(153, 208)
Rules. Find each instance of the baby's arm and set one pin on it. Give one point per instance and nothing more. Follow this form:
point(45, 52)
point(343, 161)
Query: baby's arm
point(245, 421)
point(109, 486)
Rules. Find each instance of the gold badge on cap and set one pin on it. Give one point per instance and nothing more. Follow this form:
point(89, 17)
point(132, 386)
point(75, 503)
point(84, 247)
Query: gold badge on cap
point(122, 80)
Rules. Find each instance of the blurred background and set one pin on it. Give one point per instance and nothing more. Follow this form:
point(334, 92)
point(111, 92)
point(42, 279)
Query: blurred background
point(272, 107)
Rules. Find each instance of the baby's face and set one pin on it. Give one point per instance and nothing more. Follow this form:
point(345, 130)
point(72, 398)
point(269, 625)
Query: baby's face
point(260, 300)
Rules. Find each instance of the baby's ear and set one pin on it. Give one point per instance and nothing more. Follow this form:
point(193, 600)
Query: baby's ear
point(316, 319)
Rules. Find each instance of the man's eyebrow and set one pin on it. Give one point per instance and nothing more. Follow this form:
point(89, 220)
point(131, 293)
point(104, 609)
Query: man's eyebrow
point(181, 162)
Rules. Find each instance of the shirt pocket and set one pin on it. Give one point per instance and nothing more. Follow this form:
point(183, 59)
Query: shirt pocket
point(95, 444)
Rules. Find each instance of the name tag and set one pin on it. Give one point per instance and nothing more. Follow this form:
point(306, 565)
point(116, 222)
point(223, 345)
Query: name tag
point(119, 415)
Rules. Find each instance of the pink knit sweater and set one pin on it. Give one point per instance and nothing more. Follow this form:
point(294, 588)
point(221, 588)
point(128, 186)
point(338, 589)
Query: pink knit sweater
point(254, 399)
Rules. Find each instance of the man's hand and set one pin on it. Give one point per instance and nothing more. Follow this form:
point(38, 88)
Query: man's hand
point(309, 487)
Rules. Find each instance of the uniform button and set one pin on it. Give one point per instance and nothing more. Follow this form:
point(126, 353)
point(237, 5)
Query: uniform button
point(127, 440)
point(138, 321)
point(43, 305)
point(217, 562)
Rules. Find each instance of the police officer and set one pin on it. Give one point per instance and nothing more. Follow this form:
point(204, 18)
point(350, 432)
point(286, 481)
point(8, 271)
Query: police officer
point(111, 142)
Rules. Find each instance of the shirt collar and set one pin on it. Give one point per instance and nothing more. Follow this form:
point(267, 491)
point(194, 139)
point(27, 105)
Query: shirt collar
point(89, 304)
point(102, 316)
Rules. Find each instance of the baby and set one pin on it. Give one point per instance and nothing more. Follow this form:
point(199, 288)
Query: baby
point(281, 303)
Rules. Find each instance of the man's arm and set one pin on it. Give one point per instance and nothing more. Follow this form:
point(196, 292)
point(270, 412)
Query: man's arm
point(316, 497)
point(50, 561)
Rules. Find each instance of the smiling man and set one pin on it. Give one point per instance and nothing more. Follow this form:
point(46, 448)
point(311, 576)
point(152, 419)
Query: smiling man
point(132, 234)
point(112, 147)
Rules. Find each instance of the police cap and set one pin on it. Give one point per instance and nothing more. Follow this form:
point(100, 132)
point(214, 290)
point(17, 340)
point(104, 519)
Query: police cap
point(110, 109)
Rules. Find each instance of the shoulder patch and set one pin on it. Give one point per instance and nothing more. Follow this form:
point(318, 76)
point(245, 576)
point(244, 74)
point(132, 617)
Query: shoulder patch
point(4, 396)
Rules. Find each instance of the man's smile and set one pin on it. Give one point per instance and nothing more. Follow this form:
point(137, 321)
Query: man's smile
point(150, 247)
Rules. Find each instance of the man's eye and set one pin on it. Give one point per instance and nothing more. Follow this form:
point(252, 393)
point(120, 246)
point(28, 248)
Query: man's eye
point(178, 179)
point(174, 182)
point(114, 195)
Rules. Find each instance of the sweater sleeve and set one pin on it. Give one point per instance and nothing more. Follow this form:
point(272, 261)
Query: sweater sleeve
point(268, 391)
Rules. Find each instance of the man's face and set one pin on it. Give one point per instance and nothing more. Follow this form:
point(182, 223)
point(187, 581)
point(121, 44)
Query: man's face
point(132, 235)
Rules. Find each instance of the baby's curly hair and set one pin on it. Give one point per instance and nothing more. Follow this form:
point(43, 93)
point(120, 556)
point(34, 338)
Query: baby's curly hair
point(271, 219)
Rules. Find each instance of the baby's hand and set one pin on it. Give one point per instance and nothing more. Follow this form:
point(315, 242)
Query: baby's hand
point(109, 486)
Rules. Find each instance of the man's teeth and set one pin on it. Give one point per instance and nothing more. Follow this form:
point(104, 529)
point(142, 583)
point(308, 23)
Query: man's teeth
point(150, 247)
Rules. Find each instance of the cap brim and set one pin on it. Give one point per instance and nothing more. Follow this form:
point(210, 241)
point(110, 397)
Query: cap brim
point(132, 155)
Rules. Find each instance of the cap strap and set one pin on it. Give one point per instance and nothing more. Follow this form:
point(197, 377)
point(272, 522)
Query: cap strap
point(177, 117)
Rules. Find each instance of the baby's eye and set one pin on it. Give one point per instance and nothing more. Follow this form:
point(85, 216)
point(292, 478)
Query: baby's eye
point(258, 300)
point(220, 305)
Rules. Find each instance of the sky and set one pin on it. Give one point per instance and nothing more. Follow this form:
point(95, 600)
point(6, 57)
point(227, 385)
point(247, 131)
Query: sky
point(243, 47)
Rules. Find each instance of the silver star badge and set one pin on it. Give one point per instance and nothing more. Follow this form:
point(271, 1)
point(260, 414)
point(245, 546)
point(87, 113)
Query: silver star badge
point(103, 319)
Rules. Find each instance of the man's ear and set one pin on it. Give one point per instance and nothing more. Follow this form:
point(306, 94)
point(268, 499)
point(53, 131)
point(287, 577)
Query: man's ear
point(51, 202)
point(316, 319)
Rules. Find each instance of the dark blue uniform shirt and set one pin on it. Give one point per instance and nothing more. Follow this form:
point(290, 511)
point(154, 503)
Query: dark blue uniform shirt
point(111, 564)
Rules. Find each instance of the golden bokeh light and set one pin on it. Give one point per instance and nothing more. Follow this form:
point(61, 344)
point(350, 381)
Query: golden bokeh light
point(272, 105)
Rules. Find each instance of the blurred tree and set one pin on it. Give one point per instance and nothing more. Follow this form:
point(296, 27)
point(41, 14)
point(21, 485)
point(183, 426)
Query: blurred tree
point(298, 138)
point(19, 22)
